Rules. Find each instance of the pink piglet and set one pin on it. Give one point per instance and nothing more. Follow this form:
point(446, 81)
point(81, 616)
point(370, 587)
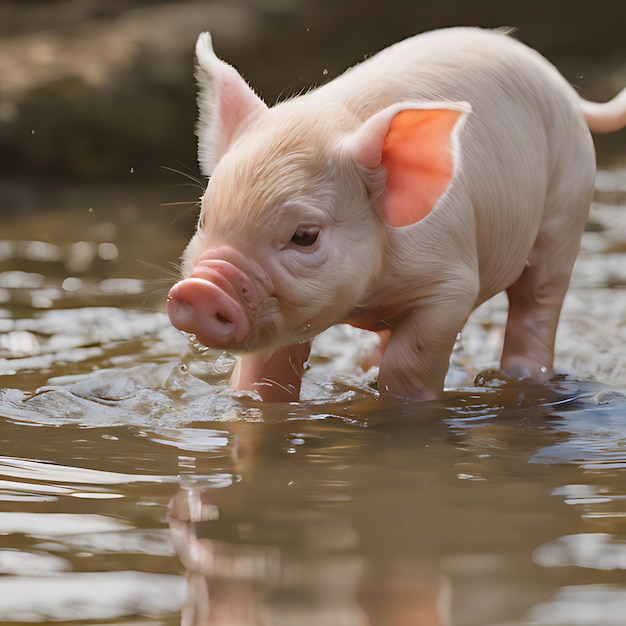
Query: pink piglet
point(398, 197)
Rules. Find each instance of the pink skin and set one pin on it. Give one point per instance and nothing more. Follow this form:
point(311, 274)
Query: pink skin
point(371, 201)
point(212, 314)
point(217, 303)
point(275, 377)
point(214, 303)
point(218, 298)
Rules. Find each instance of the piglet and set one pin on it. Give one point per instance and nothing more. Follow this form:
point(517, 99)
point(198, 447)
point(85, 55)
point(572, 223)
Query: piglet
point(397, 198)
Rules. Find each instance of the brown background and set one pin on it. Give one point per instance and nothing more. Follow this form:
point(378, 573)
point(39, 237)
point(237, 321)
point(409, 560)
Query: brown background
point(102, 90)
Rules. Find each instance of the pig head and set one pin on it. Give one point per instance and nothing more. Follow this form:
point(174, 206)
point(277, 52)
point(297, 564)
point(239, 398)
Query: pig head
point(368, 204)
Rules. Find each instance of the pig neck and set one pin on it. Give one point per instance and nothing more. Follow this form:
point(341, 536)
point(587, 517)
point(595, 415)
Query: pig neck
point(394, 292)
point(416, 263)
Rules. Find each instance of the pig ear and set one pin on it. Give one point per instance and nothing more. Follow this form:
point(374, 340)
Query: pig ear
point(226, 104)
point(415, 143)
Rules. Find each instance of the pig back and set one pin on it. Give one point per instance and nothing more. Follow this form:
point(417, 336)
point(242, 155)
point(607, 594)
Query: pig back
point(525, 122)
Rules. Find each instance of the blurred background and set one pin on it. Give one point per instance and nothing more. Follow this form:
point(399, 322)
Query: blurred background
point(101, 91)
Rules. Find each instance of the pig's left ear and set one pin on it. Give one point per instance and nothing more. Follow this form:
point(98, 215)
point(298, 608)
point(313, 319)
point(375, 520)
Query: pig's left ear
point(226, 105)
point(415, 143)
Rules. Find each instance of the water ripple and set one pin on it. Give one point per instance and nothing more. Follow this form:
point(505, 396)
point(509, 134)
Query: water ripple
point(89, 596)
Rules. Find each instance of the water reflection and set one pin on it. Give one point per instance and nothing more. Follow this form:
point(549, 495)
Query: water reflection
point(356, 512)
point(356, 522)
point(294, 566)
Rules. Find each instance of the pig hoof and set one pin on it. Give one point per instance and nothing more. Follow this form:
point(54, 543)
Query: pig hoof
point(517, 370)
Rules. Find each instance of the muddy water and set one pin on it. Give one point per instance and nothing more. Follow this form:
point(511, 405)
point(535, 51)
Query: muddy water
point(135, 489)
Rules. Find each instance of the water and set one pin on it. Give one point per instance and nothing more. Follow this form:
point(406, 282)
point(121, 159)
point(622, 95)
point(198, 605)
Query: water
point(136, 489)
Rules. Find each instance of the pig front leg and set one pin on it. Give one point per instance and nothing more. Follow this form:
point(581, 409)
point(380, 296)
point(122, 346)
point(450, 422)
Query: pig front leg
point(417, 357)
point(276, 376)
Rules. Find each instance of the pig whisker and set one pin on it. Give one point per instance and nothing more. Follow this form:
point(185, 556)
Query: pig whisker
point(269, 382)
point(172, 272)
point(287, 388)
point(193, 202)
point(158, 295)
point(198, 182)
point(193, 206)
point(293, 366)
point(167, 282)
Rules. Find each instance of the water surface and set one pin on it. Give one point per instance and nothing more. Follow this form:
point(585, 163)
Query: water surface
point(136, 489)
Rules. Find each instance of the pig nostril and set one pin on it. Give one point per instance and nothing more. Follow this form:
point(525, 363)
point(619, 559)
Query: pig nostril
point(210, 310)
point(222, 319)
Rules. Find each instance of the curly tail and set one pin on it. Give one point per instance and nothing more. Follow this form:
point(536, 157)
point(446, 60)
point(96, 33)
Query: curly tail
point(606, 117)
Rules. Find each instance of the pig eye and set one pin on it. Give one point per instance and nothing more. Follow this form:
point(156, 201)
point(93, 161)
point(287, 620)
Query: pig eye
point(305, 236)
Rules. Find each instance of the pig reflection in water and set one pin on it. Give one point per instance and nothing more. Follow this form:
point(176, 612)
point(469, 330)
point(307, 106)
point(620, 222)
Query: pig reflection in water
point(397, 198)
point(316, 580)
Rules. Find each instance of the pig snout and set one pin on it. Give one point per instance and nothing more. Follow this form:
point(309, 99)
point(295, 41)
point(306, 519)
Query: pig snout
point(214, 303)
point(204, 309)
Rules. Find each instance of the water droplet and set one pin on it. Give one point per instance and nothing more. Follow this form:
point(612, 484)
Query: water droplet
point(195, 347)
point(132, 170)
point(325, 72)
point(490, 378)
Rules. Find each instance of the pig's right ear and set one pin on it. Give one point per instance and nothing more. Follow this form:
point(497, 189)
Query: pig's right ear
point(226, 105)
point(416, 145)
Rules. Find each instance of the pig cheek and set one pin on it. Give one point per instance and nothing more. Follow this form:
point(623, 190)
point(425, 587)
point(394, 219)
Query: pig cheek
point(307, 297)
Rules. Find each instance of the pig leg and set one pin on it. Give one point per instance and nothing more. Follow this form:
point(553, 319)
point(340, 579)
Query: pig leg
point(535, 302)
point(417, 356)
point(536, 298)
point(276, 376)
